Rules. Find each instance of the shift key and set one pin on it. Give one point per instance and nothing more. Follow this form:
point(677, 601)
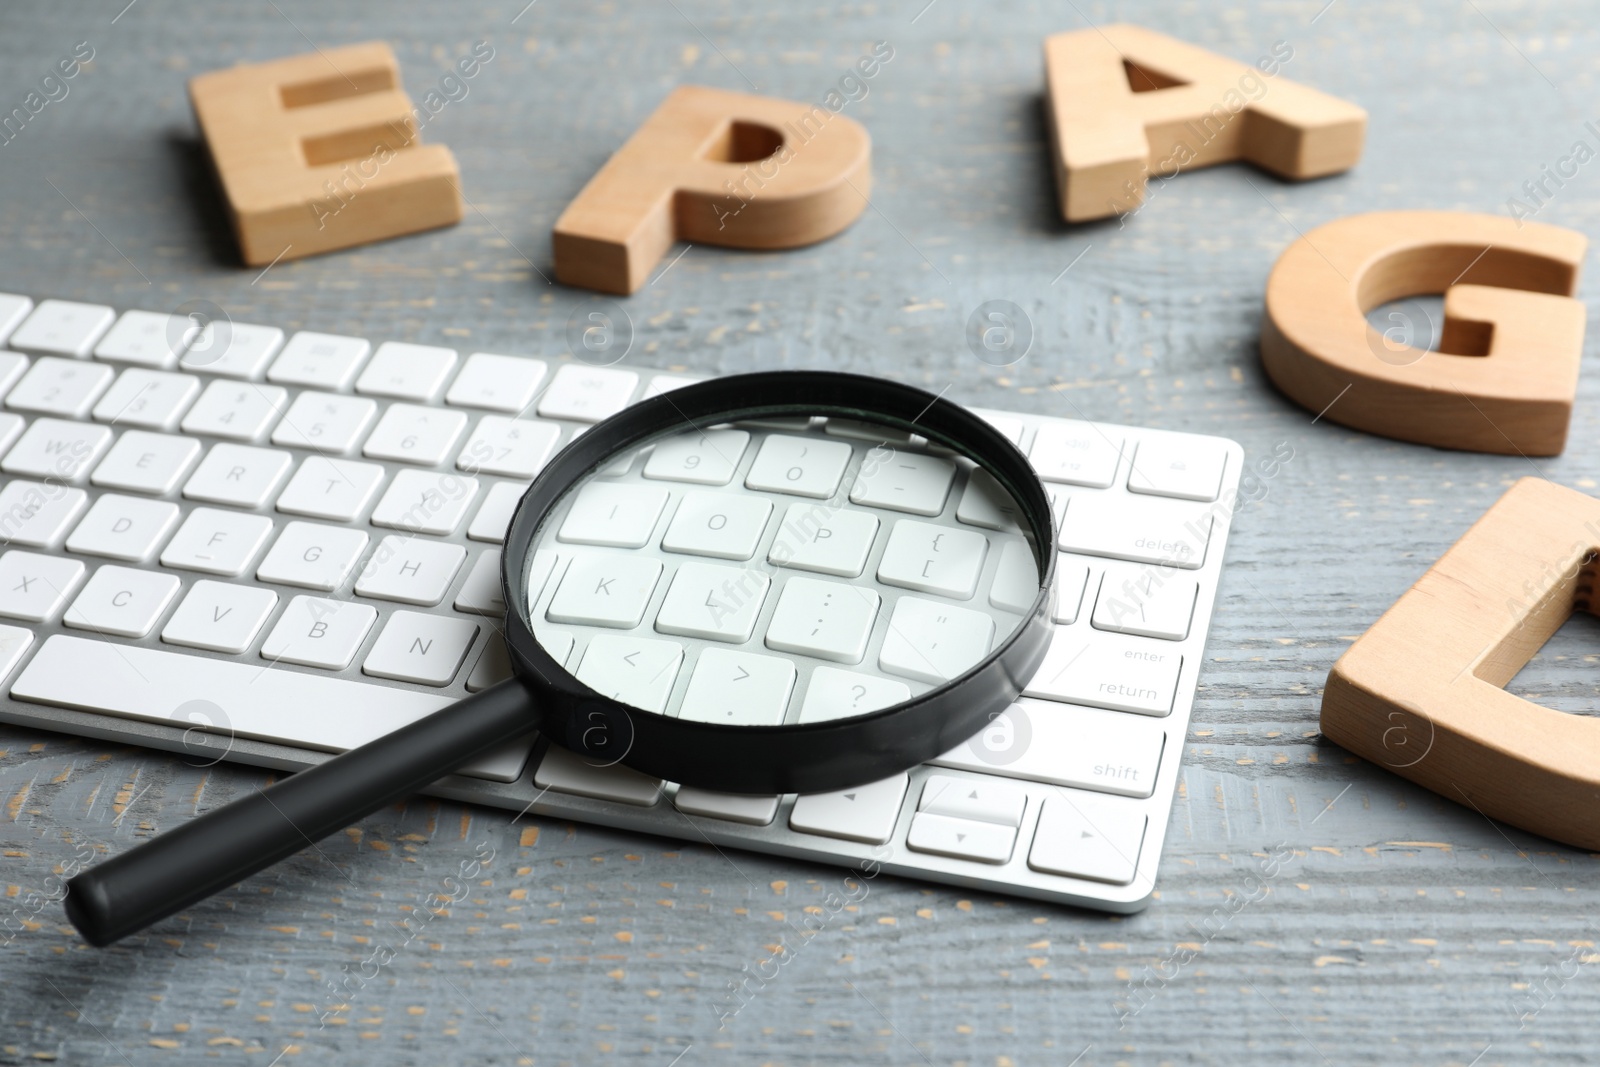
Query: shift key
point(1106, 672)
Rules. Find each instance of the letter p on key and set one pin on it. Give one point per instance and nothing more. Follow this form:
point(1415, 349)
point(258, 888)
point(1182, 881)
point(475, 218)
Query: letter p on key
point(320, 152)
point(719, 168)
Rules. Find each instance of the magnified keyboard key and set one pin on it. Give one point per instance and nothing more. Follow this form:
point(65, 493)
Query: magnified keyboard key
point(605, 590)
point(825, 540)
point(57, 449)
point(216, 542)
point(63, 327)
point(836, 694)
point(829, 620)
point(1149, 602)
point(1083, 836)
point(716, 603)
point(738, 689)
point(638, 671)
point(427, 649)
point(799, 466)
point(36, 514)
point(152, 399)
point(121, 601)
point(1078, 453)
point(1071, 578)
point(316, 632)
point(721, 525)
point(1016, 579)
point(498, 383)
point(866, 813)
point(1138, 529)
point(587, 394)
point(407, 371)
point(1103, 671)
point(933, 559)
point(620, 516)
point(984, 503)
point(1189, 470)
point(33, 587)
point(706, 458)
point(425, 502)
point(965, 839)
point(480, 593)
point(734, 807)
point(904, 481)
point(514, 448)
point(65, 387)
point(934, 642)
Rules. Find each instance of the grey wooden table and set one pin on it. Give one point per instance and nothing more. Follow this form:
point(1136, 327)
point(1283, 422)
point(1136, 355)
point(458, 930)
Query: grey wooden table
point(1403, 929)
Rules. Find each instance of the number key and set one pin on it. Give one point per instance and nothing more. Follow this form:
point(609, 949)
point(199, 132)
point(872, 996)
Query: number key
point(799, 466)
point(705, 458)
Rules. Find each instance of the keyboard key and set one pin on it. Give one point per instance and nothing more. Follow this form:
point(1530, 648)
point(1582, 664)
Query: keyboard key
point(216, 542)
point(236, 411)
point(984, 503)
point(62, 328)
point(1152, 602)
point(121, 601)
point(1106, 751)
point(220, 616)
point(13, 366)
point(963, 839)
point(705, 457)
point(824, 540)
point(238, 475)
point(410, 570)
point(324, 421)
point(154, 400)
point(934, 642)
point(567, 772)
point(1137, 529)
point(414, 434)
point(559, 645)
point(498, 383)
point(799, 466)
point(334, 489)
point(866, 813)
point(738, 689)
point(933, 559)
point(407, 371)
point(904, 481)
point(721, 525)
point(494, 517)
point(1078, 453)
point(62, 387)
point(605, 590)
point(312, 556)
point(146, 338)
point(620, 516)
point(638, 671)
point(426, 649)
point(238, 350)
point(1008, 425)
point(1187, 469)
point(587, 394)
point(425, 502)
point(716, 603)
point(1016, 579)
point(973, 800)
point(828, 620)
point(481, 594)
point(502, 763)
point(857, 430)
point(36, 514)
point(34, 587)
point(666, 383)
point(1103, 671)
point(13, 309)
point(57, 449)
point(282, 706)
point(123, 527)
point(734, 807)
point(492, 668)
point(1071, 578)
point(319, 360)
point(836, 694)
point(14, 642)
point(515, 448)
point(10, 428)
point(1082, 836)
point(540, 568)
point(315, 632)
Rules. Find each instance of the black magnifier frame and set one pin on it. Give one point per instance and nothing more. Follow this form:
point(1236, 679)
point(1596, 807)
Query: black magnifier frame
point(815, 757)
point(189, 863)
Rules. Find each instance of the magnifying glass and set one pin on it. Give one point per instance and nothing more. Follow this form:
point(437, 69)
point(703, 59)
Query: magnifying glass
point(784, 582)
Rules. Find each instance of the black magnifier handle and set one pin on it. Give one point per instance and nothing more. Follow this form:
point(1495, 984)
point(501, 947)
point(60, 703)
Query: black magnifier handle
point(189, 863)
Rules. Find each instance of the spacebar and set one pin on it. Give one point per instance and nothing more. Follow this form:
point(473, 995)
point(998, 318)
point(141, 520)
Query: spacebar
point(248, 700)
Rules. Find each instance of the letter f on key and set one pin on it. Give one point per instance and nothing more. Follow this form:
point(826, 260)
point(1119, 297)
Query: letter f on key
point(797, 175)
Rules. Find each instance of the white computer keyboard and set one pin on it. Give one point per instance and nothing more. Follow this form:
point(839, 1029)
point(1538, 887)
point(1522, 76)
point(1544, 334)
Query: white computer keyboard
point(237, 544)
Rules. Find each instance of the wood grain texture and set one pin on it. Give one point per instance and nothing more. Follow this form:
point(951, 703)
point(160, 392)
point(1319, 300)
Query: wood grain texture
point(1404, 929)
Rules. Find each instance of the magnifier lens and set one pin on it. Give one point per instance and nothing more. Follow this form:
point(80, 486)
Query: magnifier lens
point(779, 571)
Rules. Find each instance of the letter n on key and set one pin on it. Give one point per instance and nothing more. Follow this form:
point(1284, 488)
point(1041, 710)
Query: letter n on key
point(719, 168)
point(320, 151)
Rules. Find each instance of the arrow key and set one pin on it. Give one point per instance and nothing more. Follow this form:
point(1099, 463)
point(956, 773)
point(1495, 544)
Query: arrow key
point(867, 813)
point(965, 839)
point(1082, 835)
point(973, 799)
